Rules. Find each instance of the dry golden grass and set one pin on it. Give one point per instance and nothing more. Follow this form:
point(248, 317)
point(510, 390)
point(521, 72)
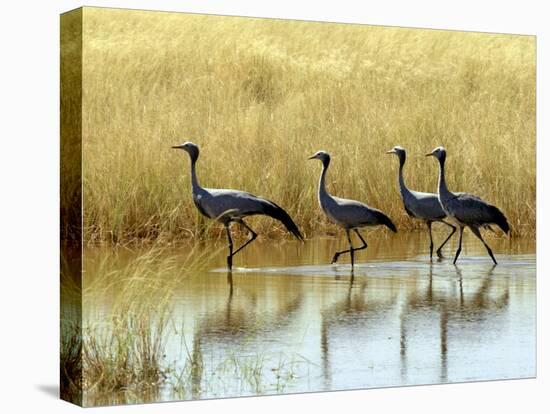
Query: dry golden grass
point(259, 96)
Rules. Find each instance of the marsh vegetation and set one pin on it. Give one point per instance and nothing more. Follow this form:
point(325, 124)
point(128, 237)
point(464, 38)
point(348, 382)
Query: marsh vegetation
point(261, 95)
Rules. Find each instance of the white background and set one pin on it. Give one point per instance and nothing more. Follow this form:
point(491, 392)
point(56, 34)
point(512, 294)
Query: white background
point(29, 176)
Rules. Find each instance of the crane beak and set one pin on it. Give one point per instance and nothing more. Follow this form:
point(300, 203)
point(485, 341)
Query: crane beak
point(177, 146)
point(312, 157)
point(392, 151)
point(429, 154)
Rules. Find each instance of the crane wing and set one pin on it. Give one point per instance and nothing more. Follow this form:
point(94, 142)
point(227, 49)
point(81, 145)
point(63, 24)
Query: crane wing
point(472, 210)
point(243, 204)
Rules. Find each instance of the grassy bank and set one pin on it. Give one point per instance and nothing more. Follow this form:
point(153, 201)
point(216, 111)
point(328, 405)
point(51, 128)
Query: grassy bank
point(260, 96)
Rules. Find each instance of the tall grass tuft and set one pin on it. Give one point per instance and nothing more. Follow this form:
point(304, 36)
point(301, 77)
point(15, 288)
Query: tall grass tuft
point(127, 314)
point(118, 356)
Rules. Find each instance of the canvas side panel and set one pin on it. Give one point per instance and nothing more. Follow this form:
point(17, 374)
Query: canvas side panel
point(71, 207)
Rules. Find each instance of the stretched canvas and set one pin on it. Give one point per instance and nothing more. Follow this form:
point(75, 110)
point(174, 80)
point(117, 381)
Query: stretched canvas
point(247, 207)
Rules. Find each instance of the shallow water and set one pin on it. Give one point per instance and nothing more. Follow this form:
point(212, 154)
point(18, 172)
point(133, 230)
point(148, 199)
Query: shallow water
point(284, 320)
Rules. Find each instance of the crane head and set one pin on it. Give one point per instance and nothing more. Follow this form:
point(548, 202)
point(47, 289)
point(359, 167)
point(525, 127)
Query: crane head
point(190, 148)
point(399, 151)
point(438, 153)
point(321, 155)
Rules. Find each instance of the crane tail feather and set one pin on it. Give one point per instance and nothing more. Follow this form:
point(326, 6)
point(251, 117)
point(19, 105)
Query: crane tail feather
point(500, 219)
point(276, 212)
point(386, 221)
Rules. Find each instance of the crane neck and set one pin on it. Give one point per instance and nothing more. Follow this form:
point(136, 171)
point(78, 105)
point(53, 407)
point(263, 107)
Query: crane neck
point(442, 184)
point(322, 186)
point(402, 185)
point(194, 181)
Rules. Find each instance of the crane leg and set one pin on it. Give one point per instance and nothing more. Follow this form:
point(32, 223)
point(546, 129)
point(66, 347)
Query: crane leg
point(475, 230)
point(439, 254)
point(429, 224)
point(253, 236)
point(461, 230)
point(364, 246)
point(351, 249)
point(230, 255)
point(338, 253)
